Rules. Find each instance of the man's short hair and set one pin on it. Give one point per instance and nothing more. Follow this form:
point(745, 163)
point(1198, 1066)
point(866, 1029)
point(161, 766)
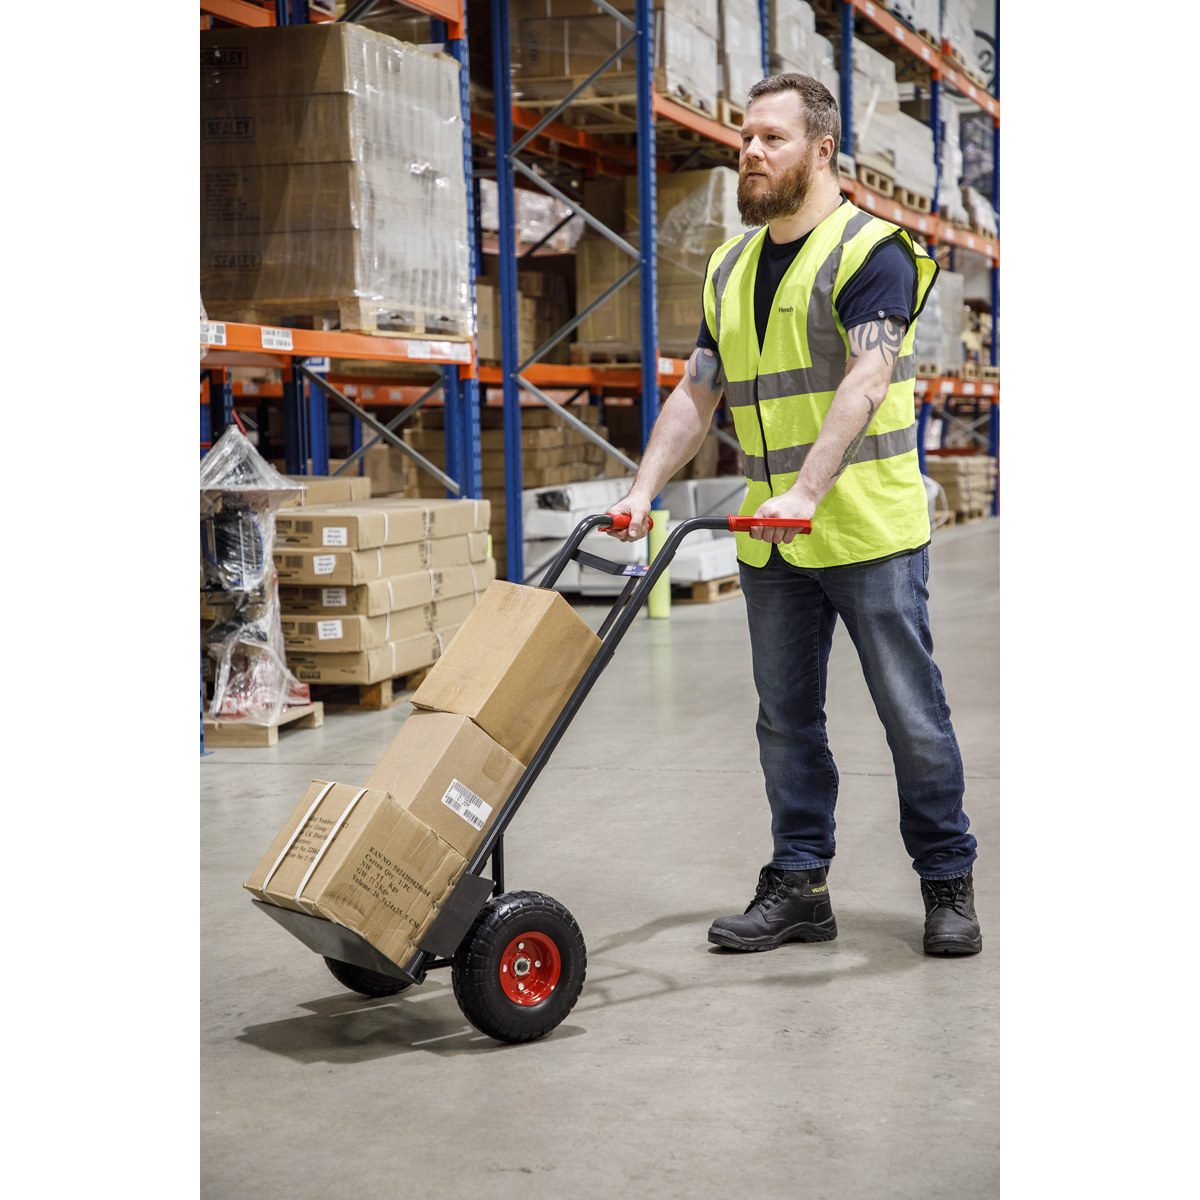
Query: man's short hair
point(821, 118)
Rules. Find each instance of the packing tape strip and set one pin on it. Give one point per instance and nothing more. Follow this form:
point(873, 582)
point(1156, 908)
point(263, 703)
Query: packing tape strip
point(474, 584)
point(378, 564)
point(385, 527)
point(391, 594)
point(387, 627)
point(437, 633)
point(393, 646)
point(292, 841)
point(327, 843)
point(432, 582)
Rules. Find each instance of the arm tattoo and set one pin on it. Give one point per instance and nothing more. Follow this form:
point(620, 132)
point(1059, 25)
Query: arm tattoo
point(857, 440)
point(885, 336)
point(704, 368)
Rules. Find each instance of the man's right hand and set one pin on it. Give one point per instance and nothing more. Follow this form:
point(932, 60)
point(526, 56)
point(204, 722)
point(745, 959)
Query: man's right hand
point(639, 519)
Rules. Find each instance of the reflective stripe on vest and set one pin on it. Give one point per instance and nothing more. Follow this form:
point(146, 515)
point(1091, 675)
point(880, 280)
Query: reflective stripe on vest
point(782, 394)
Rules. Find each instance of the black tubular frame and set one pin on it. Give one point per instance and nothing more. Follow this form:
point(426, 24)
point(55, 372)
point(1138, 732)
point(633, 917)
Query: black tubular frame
point(624, 609)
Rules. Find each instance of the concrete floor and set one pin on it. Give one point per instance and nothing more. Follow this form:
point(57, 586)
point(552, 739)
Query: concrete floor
point(850, 1070)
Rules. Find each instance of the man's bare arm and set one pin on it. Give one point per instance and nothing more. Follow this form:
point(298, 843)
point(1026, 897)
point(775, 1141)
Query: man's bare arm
point(874, 348)
point(682, 423)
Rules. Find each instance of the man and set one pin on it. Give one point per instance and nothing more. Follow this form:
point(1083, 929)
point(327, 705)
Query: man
point(808, 329)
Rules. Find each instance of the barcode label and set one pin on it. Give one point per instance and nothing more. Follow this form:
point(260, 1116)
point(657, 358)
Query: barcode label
point(472, 808)
point(323, 564)
point(295, 561)
point(304, 526)
point(333, 597)
point(335, 535)
point(329, 630)
point(276, 339)
point(212, 333)
point(307, 628)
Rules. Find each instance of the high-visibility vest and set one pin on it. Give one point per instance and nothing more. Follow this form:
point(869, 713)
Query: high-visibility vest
point(779, 398)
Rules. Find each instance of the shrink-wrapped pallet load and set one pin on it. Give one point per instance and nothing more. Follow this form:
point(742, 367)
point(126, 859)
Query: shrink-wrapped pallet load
point(332, 181)
point(741, 52)
point(556, 44)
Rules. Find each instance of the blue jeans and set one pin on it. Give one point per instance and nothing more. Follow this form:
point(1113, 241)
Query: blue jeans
point(792, 614)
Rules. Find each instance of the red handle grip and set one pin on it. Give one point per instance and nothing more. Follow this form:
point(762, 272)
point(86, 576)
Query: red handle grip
point(745, 524)
point(621, 521)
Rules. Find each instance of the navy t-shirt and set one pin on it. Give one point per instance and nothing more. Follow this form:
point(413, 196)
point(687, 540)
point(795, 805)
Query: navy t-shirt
point(885, 286)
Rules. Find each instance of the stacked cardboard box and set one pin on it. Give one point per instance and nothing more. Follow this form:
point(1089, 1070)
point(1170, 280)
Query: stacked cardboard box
point(376, 589)
point(382, 859)
point(969, 480)
point(543, 308)
point(552, 54)
point(332, 180)
point(740, 46)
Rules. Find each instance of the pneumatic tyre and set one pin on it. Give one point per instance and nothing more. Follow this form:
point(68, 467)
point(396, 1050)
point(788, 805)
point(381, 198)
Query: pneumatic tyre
point(520, 968)
point(363, 981)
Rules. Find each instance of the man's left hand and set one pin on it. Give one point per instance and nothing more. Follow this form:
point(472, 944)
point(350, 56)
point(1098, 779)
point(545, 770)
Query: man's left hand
point(792, 505)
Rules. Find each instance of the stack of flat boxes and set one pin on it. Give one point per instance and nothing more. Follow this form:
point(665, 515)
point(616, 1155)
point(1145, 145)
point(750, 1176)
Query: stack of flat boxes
point(969, 481)
point(376, 589)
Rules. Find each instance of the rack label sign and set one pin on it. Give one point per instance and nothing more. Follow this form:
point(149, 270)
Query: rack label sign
point(276, 339)
point(472, 808)
point(212, 333)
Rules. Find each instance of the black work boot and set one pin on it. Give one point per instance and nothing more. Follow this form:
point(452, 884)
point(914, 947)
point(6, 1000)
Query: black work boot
point(788, 906)
point(951, 926)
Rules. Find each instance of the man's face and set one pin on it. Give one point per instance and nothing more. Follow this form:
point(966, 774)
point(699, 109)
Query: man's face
point(777, 161)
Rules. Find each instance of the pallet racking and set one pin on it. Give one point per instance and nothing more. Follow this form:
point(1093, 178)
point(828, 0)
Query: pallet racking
point(516, 129)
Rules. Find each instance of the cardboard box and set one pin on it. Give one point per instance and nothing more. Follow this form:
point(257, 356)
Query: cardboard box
point(302, 564)
point(389, 595)
point(388, 469)
point(515, 662)
point(487, 299)
point(358, 857)
point(314, 631)
point(323, 489)
point(336, 527)
point(388, 661)
point(443, 517)
point(445, 770)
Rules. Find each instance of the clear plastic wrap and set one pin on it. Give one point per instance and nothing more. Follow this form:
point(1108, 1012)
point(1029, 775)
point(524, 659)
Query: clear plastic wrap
point(537, 214)
point(958, 28)
point(922, 15)
point(332, 178)
point(913, 146)
point(793, 30)
point(740, 49)
point(240, 493)
point(557, 43)
point(697, 212)
point(940, 325)
point(979, 210)
point(949, 199)
point(876, 100)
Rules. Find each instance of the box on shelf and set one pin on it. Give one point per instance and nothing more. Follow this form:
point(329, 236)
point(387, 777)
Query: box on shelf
point(446, 771)
point(301, 564)
point(325, 489)
point(338, 527)
point(740, 48)
point(328, 635)
point(515, 662)
point(358, 857)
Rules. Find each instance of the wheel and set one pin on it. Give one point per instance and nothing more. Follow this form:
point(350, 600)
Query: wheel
point(520, 967)
point(363, 981)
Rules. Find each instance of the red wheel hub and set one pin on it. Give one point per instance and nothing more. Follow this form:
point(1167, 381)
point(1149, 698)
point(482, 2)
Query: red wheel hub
point(529, 968)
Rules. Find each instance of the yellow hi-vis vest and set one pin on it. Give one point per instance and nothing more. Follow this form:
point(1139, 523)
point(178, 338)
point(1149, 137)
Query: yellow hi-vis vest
point(779, 398)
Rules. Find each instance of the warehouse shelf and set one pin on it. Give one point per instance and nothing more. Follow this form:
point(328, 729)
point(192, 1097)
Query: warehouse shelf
point(228, 340)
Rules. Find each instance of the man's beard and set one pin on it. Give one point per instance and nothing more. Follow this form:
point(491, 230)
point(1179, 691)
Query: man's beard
point(782, 198)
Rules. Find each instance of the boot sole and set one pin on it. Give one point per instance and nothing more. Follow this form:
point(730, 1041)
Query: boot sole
point(798, 933)
point(958, 946)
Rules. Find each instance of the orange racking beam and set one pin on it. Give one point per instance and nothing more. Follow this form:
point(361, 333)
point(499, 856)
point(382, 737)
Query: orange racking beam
point(485, 126)
point(450, 11)
point(977, 389)
point(550, 375)
point(268, 341)
point(239, 12)
point(671, 111)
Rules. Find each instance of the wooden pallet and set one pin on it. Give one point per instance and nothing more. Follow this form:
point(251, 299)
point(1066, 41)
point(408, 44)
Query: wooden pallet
point(989, 374)
point(876, 180)
point(928, 370)
point(732, 115)
point(369, 697)
point(956, 60)
point(709, 591)
point(971, 515)
point(942, 519)
point(913, 200)
point(613, 354)
point(351, 313)
point(221, 734)
point(970, 370)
